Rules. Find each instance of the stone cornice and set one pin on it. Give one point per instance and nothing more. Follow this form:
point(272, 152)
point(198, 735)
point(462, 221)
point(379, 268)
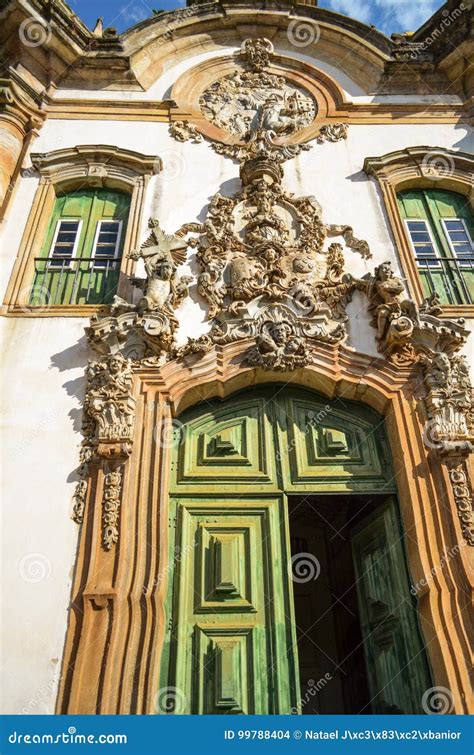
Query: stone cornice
point(70, 53)
point(101, 164)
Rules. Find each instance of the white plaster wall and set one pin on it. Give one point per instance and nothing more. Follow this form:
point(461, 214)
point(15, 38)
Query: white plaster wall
point(42, 386)
point(44, 361)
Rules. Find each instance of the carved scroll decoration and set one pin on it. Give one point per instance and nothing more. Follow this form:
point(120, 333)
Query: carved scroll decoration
point(183, 131)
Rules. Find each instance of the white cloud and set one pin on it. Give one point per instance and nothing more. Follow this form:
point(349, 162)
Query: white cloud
point(388, 15)
point(404, 15)
point(134, 12)
point(359, 9)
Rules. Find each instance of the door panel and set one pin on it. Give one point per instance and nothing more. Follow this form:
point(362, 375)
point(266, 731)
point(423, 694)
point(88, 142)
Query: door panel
point(396, 663)
point(233, 636)
point(228, 445)
point(333, 449)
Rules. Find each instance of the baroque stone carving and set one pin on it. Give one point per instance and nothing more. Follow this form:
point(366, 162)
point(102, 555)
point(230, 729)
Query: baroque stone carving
point(449, 401)
point(332, 132)
point(152, 317)
point(251, 101)
point(257, 53)
point(265, 243)
point(182, 131)
point(108, 401)
point(394, 314)
point(462, 492)
point(111, 507)
point(108, 421)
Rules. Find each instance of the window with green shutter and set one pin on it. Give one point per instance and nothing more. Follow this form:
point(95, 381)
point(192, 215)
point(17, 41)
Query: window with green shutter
point(81, 254)
point(440, 225)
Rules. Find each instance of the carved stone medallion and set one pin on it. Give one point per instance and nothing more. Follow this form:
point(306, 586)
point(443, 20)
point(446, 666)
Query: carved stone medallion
point(252, 100)
point(247, 101)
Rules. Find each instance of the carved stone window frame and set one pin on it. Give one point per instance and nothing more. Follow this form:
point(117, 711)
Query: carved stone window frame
point(420, 167)
point(84, 166)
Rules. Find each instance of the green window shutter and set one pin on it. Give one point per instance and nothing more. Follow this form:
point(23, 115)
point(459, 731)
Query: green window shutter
point(443, 271)
point(80, 281)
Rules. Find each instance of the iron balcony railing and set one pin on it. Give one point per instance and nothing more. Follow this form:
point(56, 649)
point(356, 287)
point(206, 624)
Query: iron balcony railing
point(77, 280)
point(452, 278)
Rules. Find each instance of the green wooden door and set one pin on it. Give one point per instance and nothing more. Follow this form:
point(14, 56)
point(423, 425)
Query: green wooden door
point(396, 663)
point(231, 642)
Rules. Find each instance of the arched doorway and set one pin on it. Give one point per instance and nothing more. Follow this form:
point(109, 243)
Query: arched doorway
point(288, 587)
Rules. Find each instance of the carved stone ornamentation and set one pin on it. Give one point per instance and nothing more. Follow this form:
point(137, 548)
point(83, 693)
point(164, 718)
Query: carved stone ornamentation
point(449, 402)
point(332, 132)
point(257, 53)
point(394, 314)
point(108, 400)
point(150, 321)
point(183, 131)
point(463, 497)
point(108, 422)
point(111, 506)
point(252, 100)
point(263, 246)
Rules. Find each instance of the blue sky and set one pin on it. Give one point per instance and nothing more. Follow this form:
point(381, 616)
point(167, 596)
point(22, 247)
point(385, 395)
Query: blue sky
point(387, 15)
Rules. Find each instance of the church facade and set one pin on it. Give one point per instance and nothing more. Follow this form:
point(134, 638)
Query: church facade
point(238, 290)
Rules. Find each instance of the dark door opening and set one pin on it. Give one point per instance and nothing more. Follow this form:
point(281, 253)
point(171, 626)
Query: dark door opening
point(333, 676)
point(359, 643)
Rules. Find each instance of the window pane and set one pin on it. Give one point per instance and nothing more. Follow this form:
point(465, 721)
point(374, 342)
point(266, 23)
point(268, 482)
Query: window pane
point(63, 248)
point(417, 225)
point(420, 236)
point(454, 225)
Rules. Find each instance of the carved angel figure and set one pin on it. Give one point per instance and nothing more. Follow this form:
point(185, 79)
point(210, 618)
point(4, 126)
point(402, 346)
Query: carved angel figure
point(388, 302)
point(163, 289)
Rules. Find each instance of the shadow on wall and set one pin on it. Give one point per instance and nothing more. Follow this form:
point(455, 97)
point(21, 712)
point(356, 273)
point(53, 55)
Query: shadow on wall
point(71, 358)
point(466, 142)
